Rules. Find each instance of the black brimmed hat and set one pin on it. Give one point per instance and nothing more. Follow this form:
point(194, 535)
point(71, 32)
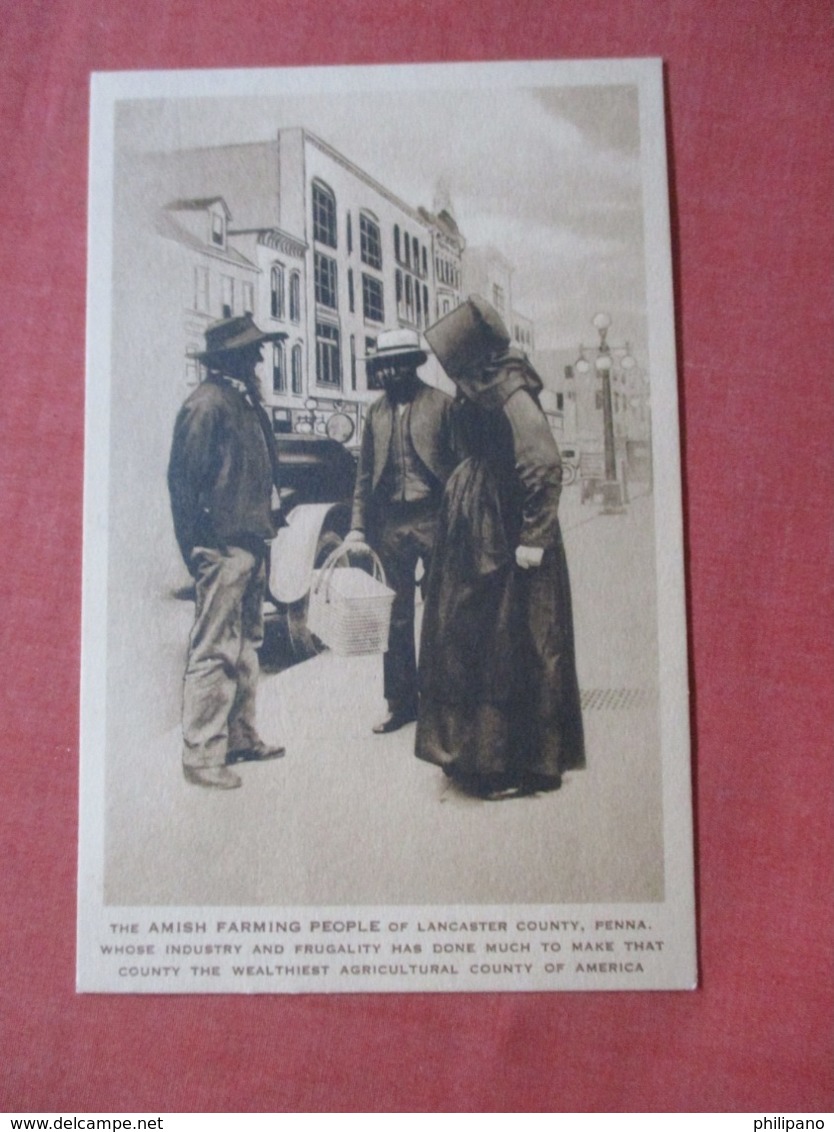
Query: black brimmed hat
point(232, 334)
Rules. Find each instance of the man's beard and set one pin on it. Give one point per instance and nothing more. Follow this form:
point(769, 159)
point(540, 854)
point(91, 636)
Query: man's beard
point(253, 384)
point(400, 388)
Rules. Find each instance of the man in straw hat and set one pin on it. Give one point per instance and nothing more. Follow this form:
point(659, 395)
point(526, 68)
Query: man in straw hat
point(223, 467)
point(408, 452)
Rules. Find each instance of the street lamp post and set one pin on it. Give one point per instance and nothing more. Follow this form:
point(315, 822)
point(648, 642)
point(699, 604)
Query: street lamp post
point(612, 488)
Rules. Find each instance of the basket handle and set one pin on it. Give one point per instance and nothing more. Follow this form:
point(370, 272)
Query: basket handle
point(344, 551)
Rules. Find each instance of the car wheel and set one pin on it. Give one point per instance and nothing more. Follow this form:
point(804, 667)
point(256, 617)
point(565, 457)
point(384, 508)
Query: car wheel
point(304, 643)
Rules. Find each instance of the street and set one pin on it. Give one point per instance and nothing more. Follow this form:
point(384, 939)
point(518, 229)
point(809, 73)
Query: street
point(353, 818)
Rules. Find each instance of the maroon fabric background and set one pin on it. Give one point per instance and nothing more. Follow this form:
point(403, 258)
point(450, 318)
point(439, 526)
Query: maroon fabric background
point(750, 121)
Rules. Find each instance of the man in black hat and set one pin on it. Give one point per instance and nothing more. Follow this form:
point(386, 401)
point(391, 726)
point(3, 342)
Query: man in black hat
point(408, 452)
point(223, 467)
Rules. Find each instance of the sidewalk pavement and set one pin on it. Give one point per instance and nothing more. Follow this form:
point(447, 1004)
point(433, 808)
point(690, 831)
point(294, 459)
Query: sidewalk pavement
point(353, 818)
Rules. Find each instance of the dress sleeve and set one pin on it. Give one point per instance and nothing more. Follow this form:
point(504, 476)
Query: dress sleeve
point(538, 467)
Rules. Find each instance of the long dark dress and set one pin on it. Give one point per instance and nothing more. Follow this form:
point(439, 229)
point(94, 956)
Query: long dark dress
point(499, 697)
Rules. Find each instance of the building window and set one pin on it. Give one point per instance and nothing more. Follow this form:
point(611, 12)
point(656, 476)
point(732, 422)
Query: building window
point(426, 303)
point(295, 297)
point(351, 299)
point(227, 296)
point(201, 289)
point(498, 298)
point(416, 247)
point(248, 298)
point(370, 246)
point(349, 234)
point(353, 361)
point(373, 380)
point(425, 262)
point(295, 372)
point(328, 365)
point(419, 303)
point(325, 271)
point(279, 377)
point(560, 401)
point(407, 248)
point(276, 291)
point(397, 242)
point(324, 214)
point(372, 302)
point(217, 229)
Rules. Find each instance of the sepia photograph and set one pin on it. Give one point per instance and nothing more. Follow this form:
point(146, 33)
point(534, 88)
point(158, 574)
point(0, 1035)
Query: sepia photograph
point(384, 678)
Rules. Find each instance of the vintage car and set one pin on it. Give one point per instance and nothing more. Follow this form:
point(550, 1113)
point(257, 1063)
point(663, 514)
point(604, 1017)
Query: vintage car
point(317, 479)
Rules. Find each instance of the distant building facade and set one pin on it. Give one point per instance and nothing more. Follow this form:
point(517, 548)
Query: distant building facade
point(215, 279)
point(316, 247)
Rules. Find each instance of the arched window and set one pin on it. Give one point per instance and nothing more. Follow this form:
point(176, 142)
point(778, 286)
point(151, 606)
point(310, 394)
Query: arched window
point(373, 306)
point(324, 214)
point(295, 372)
point(279, 380)
point(295, 297)
point(276, 291)
point(409, 298)
point(325, 281)
point(328, 363)
point(370, 245)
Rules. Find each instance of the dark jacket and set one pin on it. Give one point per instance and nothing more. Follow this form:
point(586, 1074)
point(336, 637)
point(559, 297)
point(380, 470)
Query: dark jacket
point(222, 469)
point(433, 436)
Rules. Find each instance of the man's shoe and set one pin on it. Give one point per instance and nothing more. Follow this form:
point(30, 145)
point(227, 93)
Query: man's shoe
point(259, 753)
point(218, 777)
point(393, 721)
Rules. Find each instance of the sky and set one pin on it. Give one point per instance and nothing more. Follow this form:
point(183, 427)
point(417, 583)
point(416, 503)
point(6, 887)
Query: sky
point(549, 175)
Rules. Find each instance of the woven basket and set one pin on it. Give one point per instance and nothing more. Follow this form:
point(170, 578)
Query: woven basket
point(350, 609)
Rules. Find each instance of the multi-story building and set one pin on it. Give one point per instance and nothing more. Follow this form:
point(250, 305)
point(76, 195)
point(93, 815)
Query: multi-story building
point(487, 272)
point(331, 245)
point(281, 304)
point(331, 257)
point(369, 266)
point(214, 279)
point(447, 255)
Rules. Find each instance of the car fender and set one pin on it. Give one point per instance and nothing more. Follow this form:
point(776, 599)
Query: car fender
point(294, 548)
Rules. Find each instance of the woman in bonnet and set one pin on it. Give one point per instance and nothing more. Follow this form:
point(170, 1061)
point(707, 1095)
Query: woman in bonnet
point(499, 698)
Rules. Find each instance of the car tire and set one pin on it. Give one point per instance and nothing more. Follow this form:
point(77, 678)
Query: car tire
point(304, 643)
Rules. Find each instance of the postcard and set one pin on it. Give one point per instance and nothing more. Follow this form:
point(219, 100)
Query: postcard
point(384, 674)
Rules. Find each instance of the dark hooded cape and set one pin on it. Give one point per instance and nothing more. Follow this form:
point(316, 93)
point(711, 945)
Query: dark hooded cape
point(498, 686)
